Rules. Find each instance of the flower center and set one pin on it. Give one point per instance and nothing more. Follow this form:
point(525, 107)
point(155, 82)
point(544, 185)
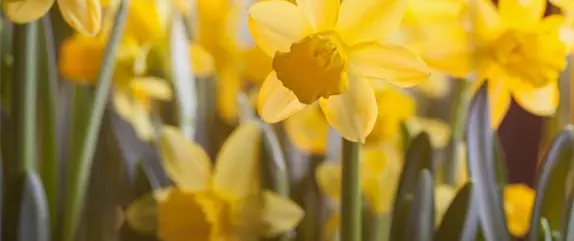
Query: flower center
point(314, 67)
point(533, 57)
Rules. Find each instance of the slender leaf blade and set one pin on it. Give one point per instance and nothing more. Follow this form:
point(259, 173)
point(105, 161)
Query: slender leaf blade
point(421, 217)
point(34, 223)
point(453, 222)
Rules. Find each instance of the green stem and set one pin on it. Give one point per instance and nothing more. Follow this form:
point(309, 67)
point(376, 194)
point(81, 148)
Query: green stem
point(49, 165)
point(380, 227)
point(25, 65)
point(78, 181)
point(460, 106)
point(351, 193)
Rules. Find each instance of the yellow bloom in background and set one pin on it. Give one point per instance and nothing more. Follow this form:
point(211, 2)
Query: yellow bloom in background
point(256, 65)
point(515, 49)
point(308, 130)
point(146, 22)
point(84, 16)
point(134, 102)
point(518, 202)
point(437, 86)
point(444, 194)
point(202, 61)
point(80, 58)
point(380, 173)
point(221, 203)
point(326, 51)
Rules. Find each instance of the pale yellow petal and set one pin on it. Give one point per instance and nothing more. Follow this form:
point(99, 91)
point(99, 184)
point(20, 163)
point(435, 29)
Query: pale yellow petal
point(457, 59)
point(280, 214)
point(438, 130)
point(499, 102)
point(390, 62)
point(308, 130)
point(84, 16)
point(328, 176)
point(380, 174)
point(142, 123)
point(353, 113)
point(321, 14)
point(484, 20)
point(521, 13)
point(185, 162)
point(369, 20)
point(202, 61)
point(123, 105)
point(154, 87)
point(142, 215)
point(24, 11)
point(539, 101)
point(276, 102)
point(237, 166)
point(276, 24)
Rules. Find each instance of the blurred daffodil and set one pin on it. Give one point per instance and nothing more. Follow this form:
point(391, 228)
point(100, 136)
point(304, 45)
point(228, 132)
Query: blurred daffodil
point(221, 203)
point(326, 51)
point(517, 51)
point(80, 58)
point(380, 171)
point(518, 202)
point(84, 16)
point(444, 194)
point(202, 61)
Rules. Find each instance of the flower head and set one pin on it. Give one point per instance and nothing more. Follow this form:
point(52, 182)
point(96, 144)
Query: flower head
point(217, 203)
point(517, 51)
point(327, 52)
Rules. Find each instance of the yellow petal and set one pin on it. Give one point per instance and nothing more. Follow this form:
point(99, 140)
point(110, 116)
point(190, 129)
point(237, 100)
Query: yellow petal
point(539, 101)
point(393, 63)
point(321, 14)
point(518, 202)
point(276, 102)
point(455, 60)
point(521, 13)
point(276, 24)
point(369, 20)
point(332, 225)
point(257, 65)
point(182, 216)
point(438, 130)
point(280, 214)
point(85, 16)
point(380, 174)
point(437, 86)
point(24, 11)
point(229, 86)
point(328, 176)
point(353, 113)
point(185, 162)
point(123, 105)
point(308, 130)
point(143, 22)
point(142, 214)
point(142, 123)
point(156, 88)
point(484, 20)
point(202, 61)
point(237, 166)
point(499, 102)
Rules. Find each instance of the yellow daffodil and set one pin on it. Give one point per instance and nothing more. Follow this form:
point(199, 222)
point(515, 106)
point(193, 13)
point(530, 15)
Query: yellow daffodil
point(80, 58)
point(326, 51)
point(221, 203)
point(380, 172)
point(84, 16)
point(518, 202)
point(517, 51)
point(202, 61)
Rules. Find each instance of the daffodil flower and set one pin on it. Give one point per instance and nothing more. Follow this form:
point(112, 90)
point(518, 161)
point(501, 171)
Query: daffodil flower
point(326, 51)
point(221, 203)
point(517, 51)
point(380, 172)
point(84, 16)
point(518, 202)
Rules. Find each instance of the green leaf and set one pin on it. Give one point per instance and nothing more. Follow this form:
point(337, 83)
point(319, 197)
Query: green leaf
point(421, 217)
point(418, 158)
point(34, 223)
point(454, 219)
point(482, 169)
point(546, 231)
point(500, 159)
point(551, 187)
point(405, 136)
point(568, 232)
